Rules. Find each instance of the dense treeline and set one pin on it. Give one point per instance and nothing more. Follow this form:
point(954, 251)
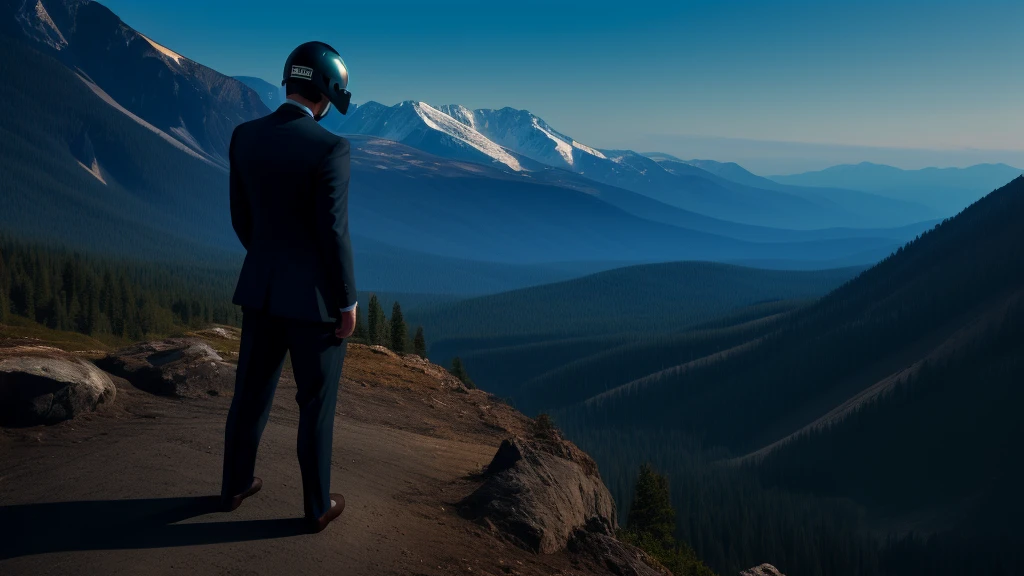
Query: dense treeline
point(393, 333)
point(94, 295)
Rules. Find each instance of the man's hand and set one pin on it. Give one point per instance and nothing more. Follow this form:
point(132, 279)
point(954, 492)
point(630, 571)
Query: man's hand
point(347, 323)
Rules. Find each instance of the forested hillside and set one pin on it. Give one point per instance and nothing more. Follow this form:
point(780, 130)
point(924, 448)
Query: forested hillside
point(891, 316)
point(507, 340)
point(75, 170)
point(93, 295)
point(887, 408)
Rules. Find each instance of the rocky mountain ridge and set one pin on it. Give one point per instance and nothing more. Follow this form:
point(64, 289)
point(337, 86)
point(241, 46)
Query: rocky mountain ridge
point(192, 104)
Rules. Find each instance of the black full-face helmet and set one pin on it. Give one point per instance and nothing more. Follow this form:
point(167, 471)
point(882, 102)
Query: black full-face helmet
point(321, 65)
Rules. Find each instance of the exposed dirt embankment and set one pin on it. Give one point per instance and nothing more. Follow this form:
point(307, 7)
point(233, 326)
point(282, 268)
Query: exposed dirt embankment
point(128, 488)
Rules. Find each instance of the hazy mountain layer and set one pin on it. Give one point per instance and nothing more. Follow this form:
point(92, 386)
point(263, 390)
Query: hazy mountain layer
point(946, 189)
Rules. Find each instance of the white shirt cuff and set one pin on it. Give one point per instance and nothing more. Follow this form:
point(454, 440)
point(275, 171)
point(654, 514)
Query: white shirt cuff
point(350, 308)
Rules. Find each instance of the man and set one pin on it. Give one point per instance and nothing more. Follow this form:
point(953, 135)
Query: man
point(289, 208)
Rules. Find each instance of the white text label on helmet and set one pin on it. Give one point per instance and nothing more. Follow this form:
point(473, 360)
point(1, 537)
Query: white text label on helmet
point(303, 72)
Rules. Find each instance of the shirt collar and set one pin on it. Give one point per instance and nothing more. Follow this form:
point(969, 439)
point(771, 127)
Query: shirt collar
point(301, 106)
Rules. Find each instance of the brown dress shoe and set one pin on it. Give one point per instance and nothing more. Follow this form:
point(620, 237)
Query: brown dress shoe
point(337, 507)
point(230, 504)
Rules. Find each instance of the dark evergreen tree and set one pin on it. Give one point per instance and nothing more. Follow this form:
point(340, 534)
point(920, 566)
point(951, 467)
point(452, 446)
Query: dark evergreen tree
point(5, 308)
point(459, 371)
point(652, 512)
point(5, 287)
point(419, 343)
point(360, 331)
point(374, 314)
point(652, 526)
point(399, 331)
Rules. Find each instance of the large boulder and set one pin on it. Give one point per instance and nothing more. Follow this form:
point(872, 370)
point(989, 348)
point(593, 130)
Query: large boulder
point(42, 385)
point(183, 367)
point(539, 493)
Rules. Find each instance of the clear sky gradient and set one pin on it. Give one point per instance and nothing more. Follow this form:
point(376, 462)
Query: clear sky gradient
point(872, 76)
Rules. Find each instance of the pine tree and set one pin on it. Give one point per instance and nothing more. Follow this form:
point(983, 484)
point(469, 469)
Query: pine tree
point(373, 314)
point(384, 327)
point(419, 343)
point(459, 371)
point(652, 512)
point(42, 293)
point(5, 289)
point(399, 331)
point(651, 526)
point(26, 296)
point(360, 332)
point(5, 306)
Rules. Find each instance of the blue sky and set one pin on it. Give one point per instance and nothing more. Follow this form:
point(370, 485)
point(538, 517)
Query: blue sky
point(894, 80)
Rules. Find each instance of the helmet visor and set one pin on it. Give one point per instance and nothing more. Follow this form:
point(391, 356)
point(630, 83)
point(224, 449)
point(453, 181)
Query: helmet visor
point(340, 98)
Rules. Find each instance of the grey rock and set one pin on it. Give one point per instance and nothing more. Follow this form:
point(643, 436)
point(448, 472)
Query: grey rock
point(43, 385)
point(615, 556)
point(183, 367)
point(762, 570)
point(538, 494)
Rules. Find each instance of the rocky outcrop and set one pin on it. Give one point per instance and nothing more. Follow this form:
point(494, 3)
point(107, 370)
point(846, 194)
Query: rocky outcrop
point(762, 570)
point(42, 385)
point(618, 557)
point(183, 367)
point(540, 493)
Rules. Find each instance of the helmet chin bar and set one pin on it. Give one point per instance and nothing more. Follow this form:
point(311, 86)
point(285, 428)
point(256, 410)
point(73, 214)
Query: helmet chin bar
point(326, 111)
point(341, 99)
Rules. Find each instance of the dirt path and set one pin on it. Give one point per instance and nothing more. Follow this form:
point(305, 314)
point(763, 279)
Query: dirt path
point(127, 490)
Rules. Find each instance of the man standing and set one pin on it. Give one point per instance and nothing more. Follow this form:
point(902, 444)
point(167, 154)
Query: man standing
point(289, 208)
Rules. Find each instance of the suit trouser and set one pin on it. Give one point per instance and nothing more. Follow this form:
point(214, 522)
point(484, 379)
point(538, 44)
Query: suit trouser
point(317, 356)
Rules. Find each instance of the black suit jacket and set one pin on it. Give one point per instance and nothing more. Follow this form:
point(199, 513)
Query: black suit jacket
point(289, 207)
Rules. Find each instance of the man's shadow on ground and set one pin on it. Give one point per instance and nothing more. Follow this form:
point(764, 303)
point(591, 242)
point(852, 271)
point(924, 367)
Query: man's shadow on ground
point(123, 524)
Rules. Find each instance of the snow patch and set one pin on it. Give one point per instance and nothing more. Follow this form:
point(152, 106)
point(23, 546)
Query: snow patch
point(561, 146)
point(460, 113)
point(36, 23)
point(44, 17)
point(186, 137)
point(170, 139)
point(165, 51)
point(442, 122)
point(589, 150)
point(94, 170)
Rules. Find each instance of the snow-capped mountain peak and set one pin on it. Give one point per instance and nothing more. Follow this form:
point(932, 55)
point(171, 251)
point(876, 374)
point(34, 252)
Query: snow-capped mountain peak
point(442, 122)
point(506, 136)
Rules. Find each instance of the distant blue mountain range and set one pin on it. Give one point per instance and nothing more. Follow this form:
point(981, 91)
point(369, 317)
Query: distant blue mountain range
point(435, 188)
point(947, 190)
